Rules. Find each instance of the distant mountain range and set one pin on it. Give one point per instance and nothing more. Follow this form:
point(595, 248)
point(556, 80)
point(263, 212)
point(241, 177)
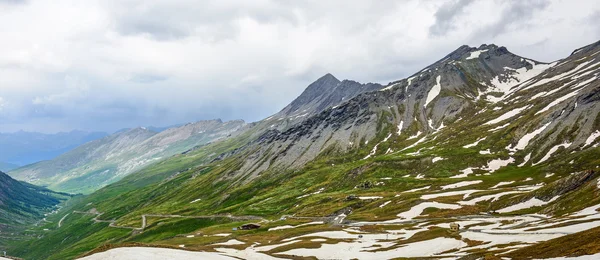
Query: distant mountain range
point(106, 160)
point(22, 148)
point(504, 145)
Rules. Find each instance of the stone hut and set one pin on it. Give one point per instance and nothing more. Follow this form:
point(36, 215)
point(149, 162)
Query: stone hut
point(249, 226)
point(454, 227)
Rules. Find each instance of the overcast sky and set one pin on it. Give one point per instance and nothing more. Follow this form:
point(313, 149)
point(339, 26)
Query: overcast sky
point(110, 64)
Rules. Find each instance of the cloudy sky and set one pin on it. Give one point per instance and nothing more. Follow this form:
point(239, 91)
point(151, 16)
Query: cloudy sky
point(110, 64)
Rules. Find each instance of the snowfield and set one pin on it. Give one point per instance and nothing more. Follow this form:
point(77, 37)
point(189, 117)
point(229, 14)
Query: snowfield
point(150, 253)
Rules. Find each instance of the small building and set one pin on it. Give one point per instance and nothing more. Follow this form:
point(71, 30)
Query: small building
point(249, 226)
point(454, 227)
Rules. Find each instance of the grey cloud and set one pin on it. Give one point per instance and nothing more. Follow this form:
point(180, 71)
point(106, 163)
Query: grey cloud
point(145, 78)
point(594, 18)
point(445, 17)
point(174, 61)
point(175, 21)
point(13, 1)
point(517, 14)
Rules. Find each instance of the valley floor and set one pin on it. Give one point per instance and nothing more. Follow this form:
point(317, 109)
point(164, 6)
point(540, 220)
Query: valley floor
point(407, 237)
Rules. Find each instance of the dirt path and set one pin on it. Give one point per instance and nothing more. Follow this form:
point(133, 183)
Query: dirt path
point(61, 220)
point(144, 216)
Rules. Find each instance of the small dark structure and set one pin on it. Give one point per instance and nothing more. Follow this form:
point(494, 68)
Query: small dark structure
point(454, 227)
point(249, 226)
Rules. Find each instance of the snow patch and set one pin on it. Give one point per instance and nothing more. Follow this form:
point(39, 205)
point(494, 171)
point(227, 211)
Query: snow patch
point(464, 174)
point(533, 202)
point(475, 54)
point(551, 151)
point(461, 184)
point(558, 101)
point(592, 138)
point(502, 183)
point(507, 115)
point(434, 92)
point(499, 127)
point(400, 127)
point(496, 164)
point(525, 160)
point(436, 159)
point(385, 203)
point(475, 143)
point(418, 209)
point(524, 141)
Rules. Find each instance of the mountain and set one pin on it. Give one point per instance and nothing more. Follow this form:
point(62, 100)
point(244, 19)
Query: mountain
point(21, 148)
point(324, 93)
point(502, 145)
point(22, 204)
point(100, 162)
point(7, 166)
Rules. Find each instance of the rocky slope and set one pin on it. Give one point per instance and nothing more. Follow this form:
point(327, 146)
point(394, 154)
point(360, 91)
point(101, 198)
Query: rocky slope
point(481, 130)
point(488, 85)
point(100, 162)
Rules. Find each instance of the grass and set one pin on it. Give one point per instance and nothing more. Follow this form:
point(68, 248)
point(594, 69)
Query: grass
point(169, 186)
point(582, 243)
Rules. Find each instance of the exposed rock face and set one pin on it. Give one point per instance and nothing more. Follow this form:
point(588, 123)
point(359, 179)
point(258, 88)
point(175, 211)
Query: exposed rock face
point(106, 160)
point(324, 93)
point(487, 86)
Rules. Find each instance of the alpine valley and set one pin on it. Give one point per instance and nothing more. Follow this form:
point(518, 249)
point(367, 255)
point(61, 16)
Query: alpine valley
point(502, 145)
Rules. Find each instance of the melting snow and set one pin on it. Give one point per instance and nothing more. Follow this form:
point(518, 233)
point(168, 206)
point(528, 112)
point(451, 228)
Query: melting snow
point(436, 159)
point(515, 77)
point(592, 138)
point(502, 183)
point(533, 202)
point(151, 253)
point(552, 150)
point(492, 197)
point(558, 101)
point(583, 257)
point(414, 136)
point(385, 203)
point(418, 209)
point(361, 249)
point(434, 92)
point(498, 128)
point(496, 164)
point(525, 160)
point(415, 144)
point(560, 76)
point(524, 141)
point(460, 184)
point(475, 143)
point(301, 225)
point(465, 193)
point(370, 197)
point(417, 189)
point(475, 54)
point(507, 115)
point(400, 127)
point(316, 192)
point(464, 174)
point(231, 242)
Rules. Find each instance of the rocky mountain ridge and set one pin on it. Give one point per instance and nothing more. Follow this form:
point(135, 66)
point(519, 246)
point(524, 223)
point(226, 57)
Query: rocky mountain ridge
point(100, 162)
point(504, 145)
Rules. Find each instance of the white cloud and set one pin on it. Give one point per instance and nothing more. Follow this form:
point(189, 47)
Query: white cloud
point(164, 62)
